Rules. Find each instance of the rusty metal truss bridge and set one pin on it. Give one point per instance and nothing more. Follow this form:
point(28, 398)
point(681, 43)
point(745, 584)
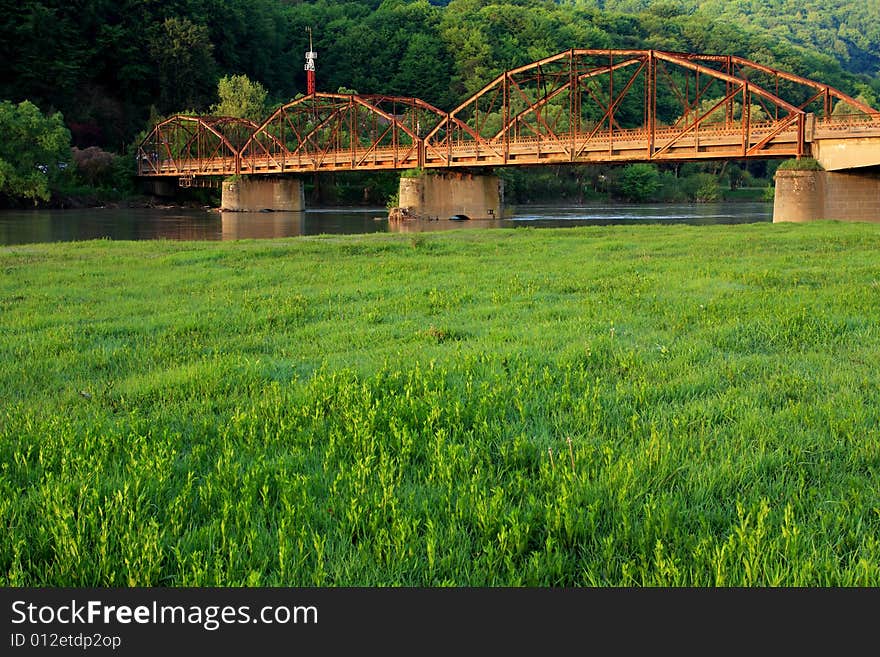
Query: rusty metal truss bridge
point(580, 106)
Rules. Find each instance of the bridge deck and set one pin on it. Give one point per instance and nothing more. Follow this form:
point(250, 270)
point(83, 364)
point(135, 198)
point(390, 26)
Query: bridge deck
point(620, 146)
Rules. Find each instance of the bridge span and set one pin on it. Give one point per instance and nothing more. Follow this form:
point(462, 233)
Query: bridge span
point(580, 106)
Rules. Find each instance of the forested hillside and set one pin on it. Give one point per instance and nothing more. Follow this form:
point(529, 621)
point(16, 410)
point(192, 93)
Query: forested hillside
point(110, 65)
point(848, 31)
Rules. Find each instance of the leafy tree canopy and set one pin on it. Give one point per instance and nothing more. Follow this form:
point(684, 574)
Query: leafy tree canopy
point(638, 182)
point(240, 97)
point(105, 63)
point(34, 151)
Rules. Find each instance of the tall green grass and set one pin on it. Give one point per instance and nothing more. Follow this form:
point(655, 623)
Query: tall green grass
point(594, 406)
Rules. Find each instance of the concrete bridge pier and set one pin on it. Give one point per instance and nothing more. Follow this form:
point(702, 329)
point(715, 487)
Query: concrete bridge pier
point(439, 195)
point(810, 195)
point(258, 194)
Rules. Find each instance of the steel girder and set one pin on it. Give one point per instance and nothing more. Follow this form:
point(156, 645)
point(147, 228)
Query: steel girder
point(193, 145)
point(332, 132)
point(611, 105)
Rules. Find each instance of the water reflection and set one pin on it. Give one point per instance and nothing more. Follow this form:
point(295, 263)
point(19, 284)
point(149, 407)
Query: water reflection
point(620, 213)
point(23, 227)
point(345, 221)
point(250, 225)
point(26, 227)
point(556, 216)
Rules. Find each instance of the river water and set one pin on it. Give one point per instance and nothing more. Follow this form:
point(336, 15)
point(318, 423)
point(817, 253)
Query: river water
point(28, 227)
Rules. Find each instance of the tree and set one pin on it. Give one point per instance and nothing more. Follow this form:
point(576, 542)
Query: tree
point(702, 187)
point(184, 54)
point(866, 96)
point(94, 165)
point(240, 97)
point(424, 71)
point(34, 151)
point(638, 182)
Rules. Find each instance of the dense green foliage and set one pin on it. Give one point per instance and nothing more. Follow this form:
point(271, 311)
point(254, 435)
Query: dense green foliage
point(240, 97)
point(848, 31)
point(34, 151)
point(395, 410)
point(675, 183)
point(105, 63)
point(639, 182)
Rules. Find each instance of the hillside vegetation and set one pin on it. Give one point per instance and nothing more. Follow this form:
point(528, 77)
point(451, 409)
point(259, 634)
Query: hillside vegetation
point(107, 71)
point(109, 66)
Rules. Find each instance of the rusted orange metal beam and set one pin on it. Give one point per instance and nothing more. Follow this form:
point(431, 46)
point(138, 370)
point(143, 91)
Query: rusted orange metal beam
point(791, 77)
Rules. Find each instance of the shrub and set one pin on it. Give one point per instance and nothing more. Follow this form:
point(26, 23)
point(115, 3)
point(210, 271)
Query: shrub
point(702, 187)
point(638, 182)
point(94, 165)
point(801, 164)
point(709, 190)
point(671, 190)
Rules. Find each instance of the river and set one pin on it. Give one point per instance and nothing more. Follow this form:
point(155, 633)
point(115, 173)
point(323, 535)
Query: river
point(37, 226)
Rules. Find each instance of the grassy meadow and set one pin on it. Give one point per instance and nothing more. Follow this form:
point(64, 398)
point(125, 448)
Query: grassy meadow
point(591, 406)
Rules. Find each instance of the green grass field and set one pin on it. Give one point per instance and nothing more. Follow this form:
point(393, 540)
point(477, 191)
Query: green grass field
point(593, 406)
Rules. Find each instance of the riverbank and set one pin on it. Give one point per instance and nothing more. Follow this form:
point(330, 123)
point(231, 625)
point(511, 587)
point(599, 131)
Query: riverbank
point(132, 202)
point(83, 200)
point(609, 405)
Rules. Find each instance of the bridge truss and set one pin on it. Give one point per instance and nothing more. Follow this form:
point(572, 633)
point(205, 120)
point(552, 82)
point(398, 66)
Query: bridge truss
point(578, 106)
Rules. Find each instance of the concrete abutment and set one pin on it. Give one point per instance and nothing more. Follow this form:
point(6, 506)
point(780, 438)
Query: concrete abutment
point(440, 195)
point(811, 195)
point(260, 194)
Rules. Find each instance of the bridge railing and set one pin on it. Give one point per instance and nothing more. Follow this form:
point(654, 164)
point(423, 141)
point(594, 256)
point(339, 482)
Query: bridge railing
point(850, 123)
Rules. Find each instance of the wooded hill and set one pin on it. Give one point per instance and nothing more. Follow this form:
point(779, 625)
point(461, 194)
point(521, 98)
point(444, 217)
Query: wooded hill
point(110, 65)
